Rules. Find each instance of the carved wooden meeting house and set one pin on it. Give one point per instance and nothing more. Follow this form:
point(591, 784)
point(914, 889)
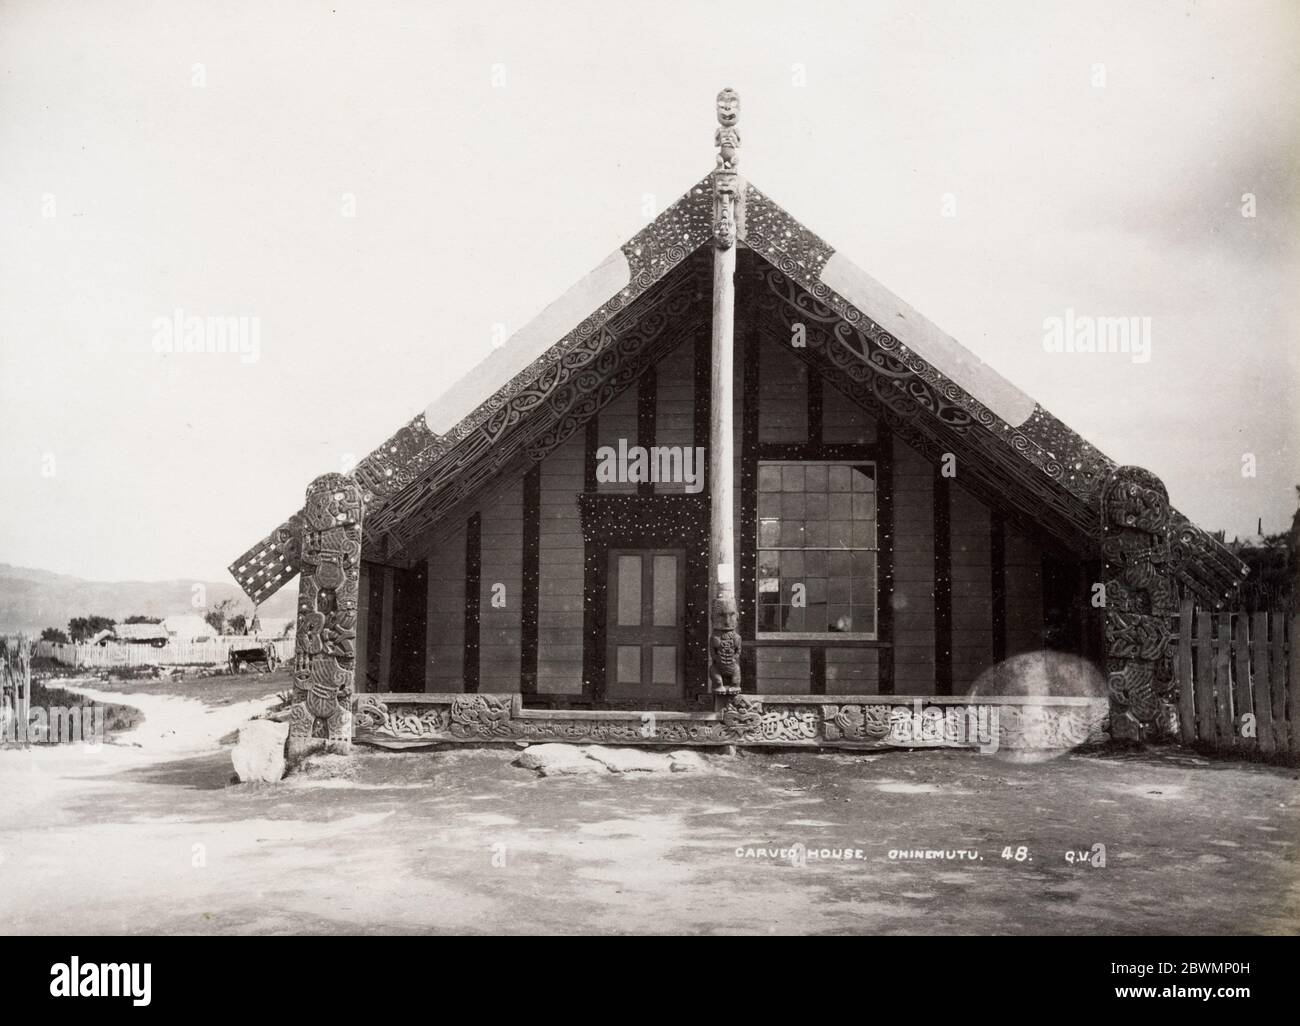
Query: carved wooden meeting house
point(728, 489)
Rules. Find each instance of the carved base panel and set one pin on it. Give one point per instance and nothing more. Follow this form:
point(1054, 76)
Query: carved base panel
point(836, 721)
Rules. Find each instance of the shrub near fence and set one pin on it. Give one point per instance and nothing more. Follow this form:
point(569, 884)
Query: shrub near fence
point(1238, 677)
point(174, 653)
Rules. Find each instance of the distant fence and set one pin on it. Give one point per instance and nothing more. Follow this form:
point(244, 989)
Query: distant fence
point(174, 653)
point(1239, 681)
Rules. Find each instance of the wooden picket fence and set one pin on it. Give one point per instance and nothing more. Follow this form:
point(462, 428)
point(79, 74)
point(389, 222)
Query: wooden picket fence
point(175, 653)
point(1238, 676)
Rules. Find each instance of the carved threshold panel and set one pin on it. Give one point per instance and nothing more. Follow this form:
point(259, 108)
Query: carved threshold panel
point(852, 721)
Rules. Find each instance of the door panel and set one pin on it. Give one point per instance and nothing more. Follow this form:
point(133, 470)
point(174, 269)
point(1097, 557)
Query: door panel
point(645, 628)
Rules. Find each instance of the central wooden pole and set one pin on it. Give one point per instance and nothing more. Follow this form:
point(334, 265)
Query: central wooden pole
point(722, 447)
point(724, 638)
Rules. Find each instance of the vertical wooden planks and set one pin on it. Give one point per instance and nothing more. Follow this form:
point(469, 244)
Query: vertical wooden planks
point(1260, 681)
point(1223, 681)
point(1283, 730)
point(1241, 680)
point(1186, 703)
point(1205, 717)
point(1293, 704)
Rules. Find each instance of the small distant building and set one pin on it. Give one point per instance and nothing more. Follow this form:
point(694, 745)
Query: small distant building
point(188, 627)
point(134, 634)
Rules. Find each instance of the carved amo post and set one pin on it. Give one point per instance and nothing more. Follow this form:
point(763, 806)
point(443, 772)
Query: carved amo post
point(724, 639)
point(325, 655)
point(1141, 603)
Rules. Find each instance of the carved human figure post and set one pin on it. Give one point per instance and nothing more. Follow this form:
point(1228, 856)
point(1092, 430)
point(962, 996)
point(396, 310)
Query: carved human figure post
point(325, 655)
point(1141, 602)
point(724, 641)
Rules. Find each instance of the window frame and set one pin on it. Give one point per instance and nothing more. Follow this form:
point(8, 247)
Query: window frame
point(828, 636)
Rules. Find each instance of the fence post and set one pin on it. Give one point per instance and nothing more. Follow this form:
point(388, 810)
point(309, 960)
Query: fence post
point(1260, 682)
point(1241, 682)
point(1277, 678)
point(1186, 703)
point(1223, 681)
point(1205, 721)
point(1293, 710)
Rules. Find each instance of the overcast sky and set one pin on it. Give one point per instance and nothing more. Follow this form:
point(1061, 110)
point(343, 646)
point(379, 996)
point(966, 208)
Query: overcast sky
point(1097, 155)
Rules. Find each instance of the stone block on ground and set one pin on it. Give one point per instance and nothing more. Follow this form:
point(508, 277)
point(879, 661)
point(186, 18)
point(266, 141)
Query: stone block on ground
point(259, 753)
point(555, 759)
point(630, 760)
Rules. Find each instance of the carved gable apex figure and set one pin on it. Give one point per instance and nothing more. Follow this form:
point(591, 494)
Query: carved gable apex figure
point(727, 137)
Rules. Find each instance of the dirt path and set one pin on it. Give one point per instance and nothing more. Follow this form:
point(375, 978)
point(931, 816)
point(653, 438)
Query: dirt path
point(156, 839)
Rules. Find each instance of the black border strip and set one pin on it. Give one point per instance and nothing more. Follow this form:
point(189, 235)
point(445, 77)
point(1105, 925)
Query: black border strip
point(942, 586)
point(473, 568)
point(747, 585)
point(814, 451)
point(814, 418)
point(998, 582)
point(885, 556)
point(647, 401)
point(591, 443)
point(702, 395)
point(817, 669)
point(531, 598)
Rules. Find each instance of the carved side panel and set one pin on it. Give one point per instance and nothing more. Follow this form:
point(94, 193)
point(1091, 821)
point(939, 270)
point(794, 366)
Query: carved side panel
point(325, 655)
point(1141, 600)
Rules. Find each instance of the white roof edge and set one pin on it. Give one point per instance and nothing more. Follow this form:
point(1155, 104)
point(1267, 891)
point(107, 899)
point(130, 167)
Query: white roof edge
point(928, 341)
point(499, 367)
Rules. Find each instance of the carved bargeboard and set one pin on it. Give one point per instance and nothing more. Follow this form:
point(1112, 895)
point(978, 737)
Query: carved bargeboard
point(325, 653)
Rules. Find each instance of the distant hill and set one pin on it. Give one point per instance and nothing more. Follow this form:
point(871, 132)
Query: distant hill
point(31, 599)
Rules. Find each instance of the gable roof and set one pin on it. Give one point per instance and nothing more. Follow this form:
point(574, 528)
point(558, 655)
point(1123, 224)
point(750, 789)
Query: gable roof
point(140, 632)
point(188, 625)
point(452, 448)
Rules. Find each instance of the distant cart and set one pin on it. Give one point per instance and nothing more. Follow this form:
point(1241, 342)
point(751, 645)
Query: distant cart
point(264, 657)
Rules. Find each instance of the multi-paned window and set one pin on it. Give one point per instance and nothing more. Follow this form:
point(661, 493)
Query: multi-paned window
point(817, 546)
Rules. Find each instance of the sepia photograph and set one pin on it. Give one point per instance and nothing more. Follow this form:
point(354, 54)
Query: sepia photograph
point(570, 469)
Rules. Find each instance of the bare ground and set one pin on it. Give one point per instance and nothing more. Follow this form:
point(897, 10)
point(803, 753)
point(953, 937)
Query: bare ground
point(156, 839)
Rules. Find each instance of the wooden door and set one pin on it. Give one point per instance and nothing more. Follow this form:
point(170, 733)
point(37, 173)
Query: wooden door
point(645, 627)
